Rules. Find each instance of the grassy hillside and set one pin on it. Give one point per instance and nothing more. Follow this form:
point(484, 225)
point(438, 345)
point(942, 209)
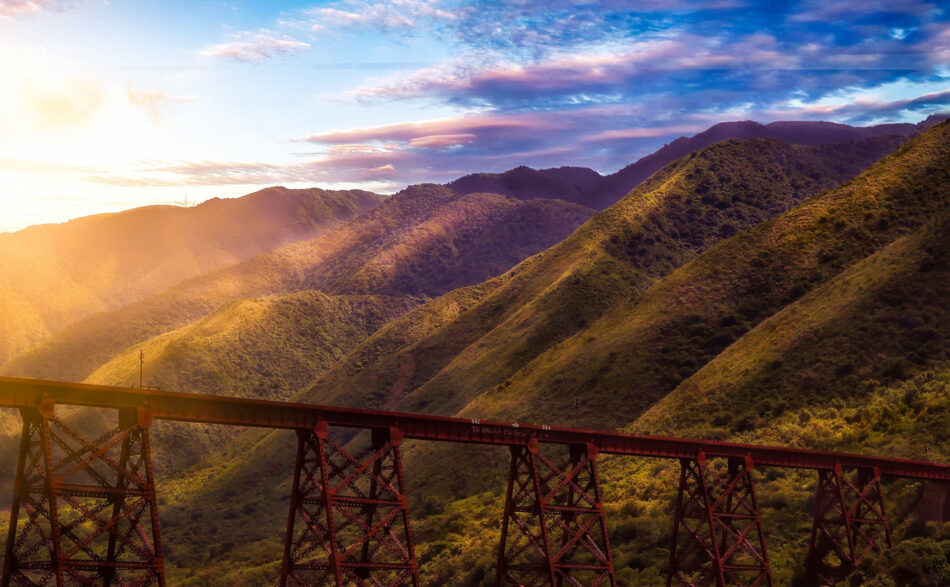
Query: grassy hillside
point(422, 241)
point(859, 364)
point(608, 262)
point(882, 321)
point(259, 348)
point(53, 275)
point(641, 350)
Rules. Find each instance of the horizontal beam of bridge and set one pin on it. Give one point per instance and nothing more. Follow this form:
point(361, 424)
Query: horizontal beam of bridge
point(209, 409)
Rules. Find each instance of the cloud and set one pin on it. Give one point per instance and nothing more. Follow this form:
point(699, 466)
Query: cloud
point(436, 141)
point(45, 167)
point(643, 132)
point(850, 10)
point(394, 15)
point(612, 70)
point(754, 67)
point(257, 47)
point(152, 100)
point(462, 126)
point(862, 109)
point(15, 8)
point(581, 82)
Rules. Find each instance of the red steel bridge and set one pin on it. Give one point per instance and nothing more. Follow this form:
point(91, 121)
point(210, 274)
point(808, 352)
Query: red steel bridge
point(84, 508)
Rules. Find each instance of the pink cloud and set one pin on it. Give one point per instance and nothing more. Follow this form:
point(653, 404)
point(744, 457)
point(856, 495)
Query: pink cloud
point(454, 127)
point(257, 47)
point(436, 141)
point(642, 132)
point(354, 149)
point(862, 106)
point(14, 8)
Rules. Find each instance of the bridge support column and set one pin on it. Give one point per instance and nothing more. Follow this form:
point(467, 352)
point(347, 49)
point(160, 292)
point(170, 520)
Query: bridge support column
point(84, 511)
point(849, 521)
point(717, 531)
point(349, 518)
point(554, 531)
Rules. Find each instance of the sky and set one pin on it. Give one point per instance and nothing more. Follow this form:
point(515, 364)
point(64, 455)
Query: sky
point(108, 105)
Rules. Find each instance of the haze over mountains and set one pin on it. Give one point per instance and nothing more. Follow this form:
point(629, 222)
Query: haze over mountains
point(749, 280)
point(53, 275)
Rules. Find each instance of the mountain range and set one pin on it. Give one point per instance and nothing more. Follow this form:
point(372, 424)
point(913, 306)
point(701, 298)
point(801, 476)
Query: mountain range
point(781, 283)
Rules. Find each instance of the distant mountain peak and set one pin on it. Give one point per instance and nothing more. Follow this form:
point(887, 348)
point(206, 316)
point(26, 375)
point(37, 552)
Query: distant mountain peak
point(572, 184)
point(795, 132)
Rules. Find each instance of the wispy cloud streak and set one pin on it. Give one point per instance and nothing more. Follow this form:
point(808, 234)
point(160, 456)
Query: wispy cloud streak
point(257, 47)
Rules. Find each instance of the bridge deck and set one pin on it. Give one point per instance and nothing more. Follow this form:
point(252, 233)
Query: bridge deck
point(208, 409)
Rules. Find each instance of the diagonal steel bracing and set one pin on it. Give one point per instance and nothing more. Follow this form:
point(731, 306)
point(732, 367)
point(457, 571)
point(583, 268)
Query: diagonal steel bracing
point(349, 519)
point(553, 531)
point(849, 522)
point(84, 511)
point(717, 532)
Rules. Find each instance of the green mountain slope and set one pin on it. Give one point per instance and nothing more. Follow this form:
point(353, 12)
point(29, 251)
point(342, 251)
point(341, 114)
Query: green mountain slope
point(859, 364)
point(53, 275)
point(260, 348)
point(882, 321)
point(641, 350)
point(422, 241)
point(611, 260)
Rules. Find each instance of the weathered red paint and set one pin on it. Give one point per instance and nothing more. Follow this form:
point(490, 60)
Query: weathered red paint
point(849, 522)
point(84, 511)
point(717, 530)
point(349, 518)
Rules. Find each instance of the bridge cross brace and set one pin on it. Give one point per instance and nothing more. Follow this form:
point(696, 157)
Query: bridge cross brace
point(349, 519)
point(849, 522)
point(717, 530)
point(554, 531)
point(84, 511)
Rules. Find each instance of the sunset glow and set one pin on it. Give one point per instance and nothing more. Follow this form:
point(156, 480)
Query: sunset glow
point(109, 105)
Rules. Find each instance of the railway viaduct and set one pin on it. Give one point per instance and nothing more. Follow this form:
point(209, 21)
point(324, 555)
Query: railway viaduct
point(84, 509)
